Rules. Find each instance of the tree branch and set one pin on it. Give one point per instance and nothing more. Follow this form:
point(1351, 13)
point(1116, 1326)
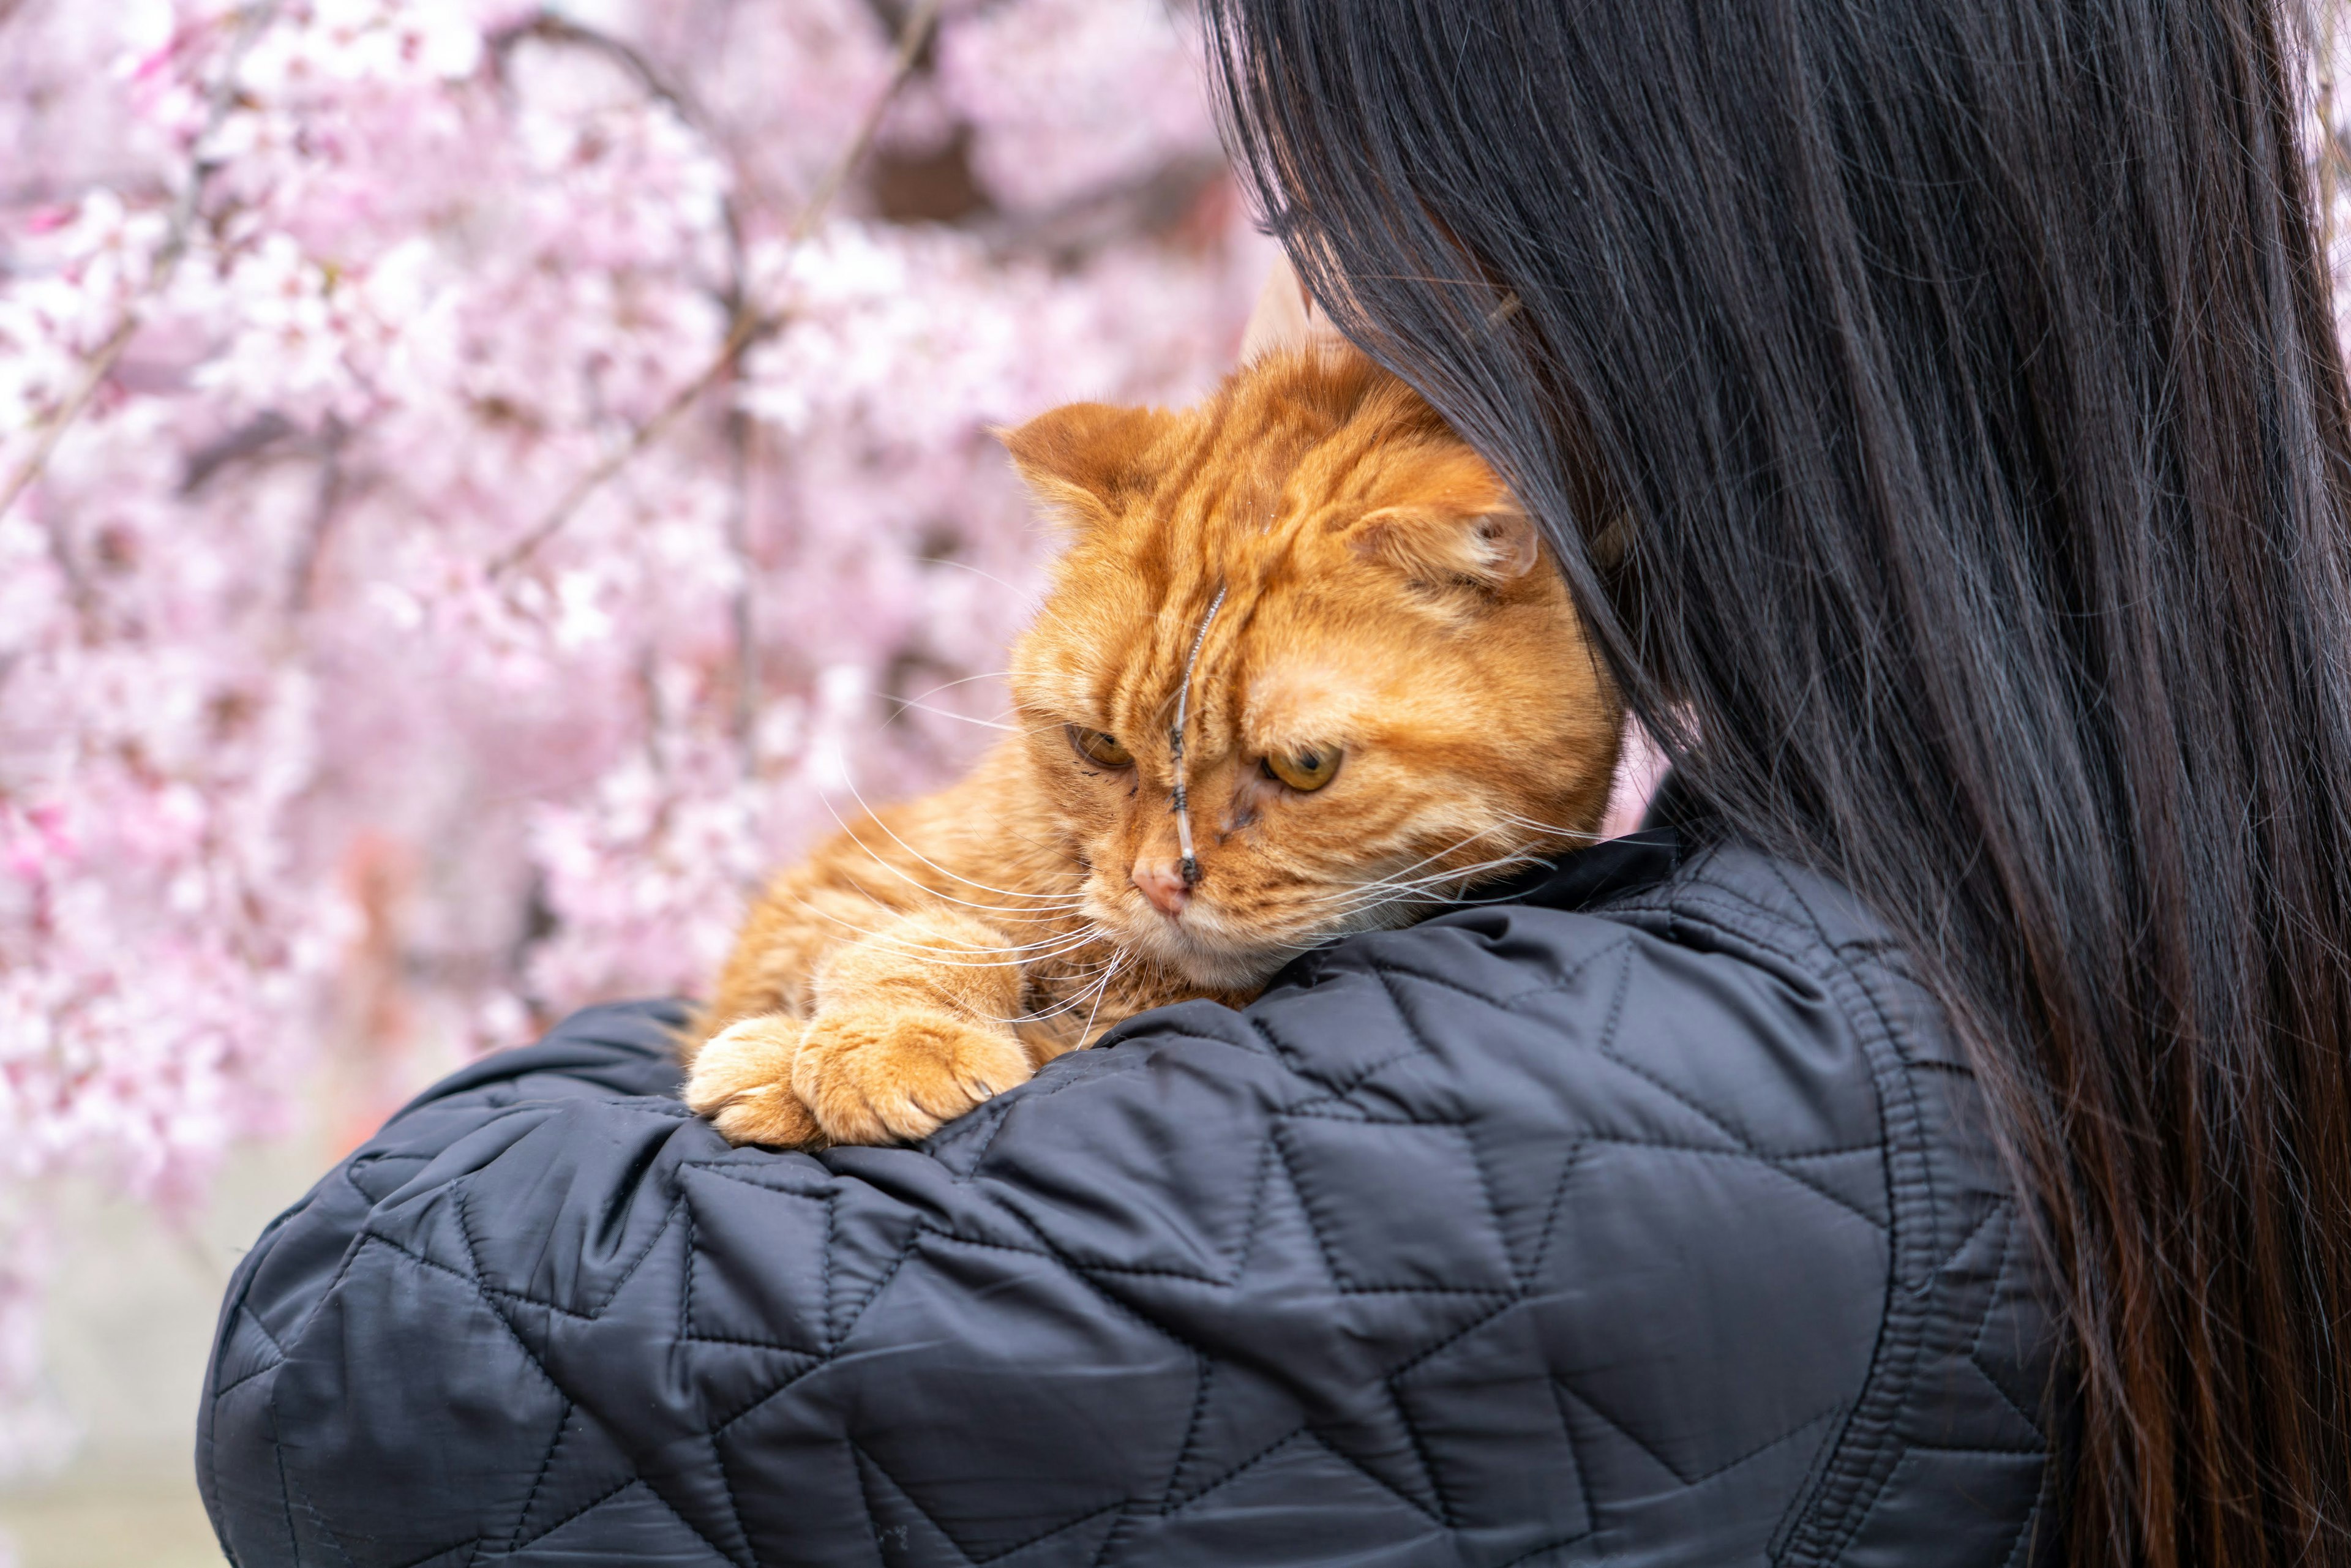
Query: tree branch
point(326, 501)
point(1153, 203)
point(549, 28)
point(749, 324)
point(101, 364)
point(743, 606)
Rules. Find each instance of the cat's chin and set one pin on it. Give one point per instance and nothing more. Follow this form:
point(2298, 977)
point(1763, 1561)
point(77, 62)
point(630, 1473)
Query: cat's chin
point(1201, 955)
point(1230, 971)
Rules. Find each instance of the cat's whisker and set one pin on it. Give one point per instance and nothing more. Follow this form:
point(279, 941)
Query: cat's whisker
point(963, 681)
point(919, 703)
point(1454, 848)
point(1516, 820)
point(1371, 914)
point(1516, 856)
point(1044, 604)
point(1095, 991)
point(1117, 961)
point(1085, 974)
point(1045, 726)
point(1476, 868)
point(1396, 877)
point(1043, 947)
point(1059, 1009)
point(1368, 916)
point(1101, 975)
point(1458, 878)
point(962, 958)
point(977, 958)
point(1350, 901)
point(876, 819)
point(901, 703)
point(954, 877)
point(907, 706)
point(1343, 910)
point(1347, 911)
point(1362, 916)
point(1038, 914)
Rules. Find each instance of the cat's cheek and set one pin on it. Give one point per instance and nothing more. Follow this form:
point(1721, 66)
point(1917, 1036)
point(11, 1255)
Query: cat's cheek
point(1250, 796)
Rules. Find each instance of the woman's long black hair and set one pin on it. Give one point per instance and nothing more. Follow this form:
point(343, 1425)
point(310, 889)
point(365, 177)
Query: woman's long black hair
point(1936, 406)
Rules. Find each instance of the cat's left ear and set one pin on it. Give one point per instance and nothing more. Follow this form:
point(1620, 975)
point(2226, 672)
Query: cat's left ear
point(1090, 459)
point(1447, 518)
point(1468, 532)
point(1484, 548)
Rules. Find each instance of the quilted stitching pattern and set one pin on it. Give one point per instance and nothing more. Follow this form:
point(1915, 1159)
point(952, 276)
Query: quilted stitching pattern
point(1665, 1231)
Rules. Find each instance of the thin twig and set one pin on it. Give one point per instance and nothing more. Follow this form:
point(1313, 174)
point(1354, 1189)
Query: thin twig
point(101, 364)
point(916, 34)
point(749, 324)
point(742, 608)
point(546, 28)
point(325, 502)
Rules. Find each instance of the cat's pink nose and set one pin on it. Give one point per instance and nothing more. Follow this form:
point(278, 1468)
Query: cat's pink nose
point(1162, 881)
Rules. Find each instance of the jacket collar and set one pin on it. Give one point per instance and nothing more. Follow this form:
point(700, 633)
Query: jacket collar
point(1613, 867)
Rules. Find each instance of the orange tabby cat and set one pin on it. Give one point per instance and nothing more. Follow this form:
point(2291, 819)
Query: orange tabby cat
point(1302, 672)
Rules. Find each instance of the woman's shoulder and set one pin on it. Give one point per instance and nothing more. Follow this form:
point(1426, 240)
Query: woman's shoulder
point(1749, 1064)
point(1700, 1108)
point(1643, 1215)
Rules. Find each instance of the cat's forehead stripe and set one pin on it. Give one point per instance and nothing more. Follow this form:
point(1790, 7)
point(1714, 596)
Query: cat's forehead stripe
point(1247, 479)
point(1147, 686)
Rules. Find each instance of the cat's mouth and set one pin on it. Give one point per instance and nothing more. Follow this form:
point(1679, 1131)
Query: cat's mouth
point(1200, 943)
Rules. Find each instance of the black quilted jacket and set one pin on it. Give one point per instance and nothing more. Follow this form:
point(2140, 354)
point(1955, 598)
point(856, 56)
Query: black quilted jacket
point(1652, 1219)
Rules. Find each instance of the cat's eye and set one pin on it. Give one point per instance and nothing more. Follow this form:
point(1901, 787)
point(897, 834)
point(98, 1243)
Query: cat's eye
point(1094, 746)
point(1302, 770)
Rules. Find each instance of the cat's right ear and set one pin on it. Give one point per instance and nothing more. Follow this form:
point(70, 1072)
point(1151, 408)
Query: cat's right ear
point(1090, 460)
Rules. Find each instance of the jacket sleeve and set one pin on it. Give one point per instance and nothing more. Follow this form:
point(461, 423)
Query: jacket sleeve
point(1473, 1243)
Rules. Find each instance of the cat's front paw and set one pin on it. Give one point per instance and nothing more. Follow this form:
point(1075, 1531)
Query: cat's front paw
point(888, 1075)
point(742, 1079)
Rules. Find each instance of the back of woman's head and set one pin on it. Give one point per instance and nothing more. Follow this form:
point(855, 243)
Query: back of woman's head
point(1936, 409)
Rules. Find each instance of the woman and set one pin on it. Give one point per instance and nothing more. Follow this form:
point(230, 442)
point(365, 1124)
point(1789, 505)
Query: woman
point(1936, 409)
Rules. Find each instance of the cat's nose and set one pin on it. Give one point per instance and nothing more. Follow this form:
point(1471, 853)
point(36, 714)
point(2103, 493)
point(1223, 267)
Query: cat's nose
point(1162, 881)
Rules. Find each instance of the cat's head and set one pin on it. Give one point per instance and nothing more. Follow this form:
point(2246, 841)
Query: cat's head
point(1393, 699)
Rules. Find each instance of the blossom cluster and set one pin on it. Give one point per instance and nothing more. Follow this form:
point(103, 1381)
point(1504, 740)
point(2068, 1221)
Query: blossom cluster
point(485, 494)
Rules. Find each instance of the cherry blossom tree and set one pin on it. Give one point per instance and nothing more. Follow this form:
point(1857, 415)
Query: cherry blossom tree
point(480, 481)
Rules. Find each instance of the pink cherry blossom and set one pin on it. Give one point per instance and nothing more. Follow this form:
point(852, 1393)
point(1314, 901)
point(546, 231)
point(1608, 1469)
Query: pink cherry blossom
point(301, 760)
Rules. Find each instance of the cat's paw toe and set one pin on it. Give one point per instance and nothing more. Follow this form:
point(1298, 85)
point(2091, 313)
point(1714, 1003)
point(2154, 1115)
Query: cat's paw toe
point(885, 1076)
point(742, 1079)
